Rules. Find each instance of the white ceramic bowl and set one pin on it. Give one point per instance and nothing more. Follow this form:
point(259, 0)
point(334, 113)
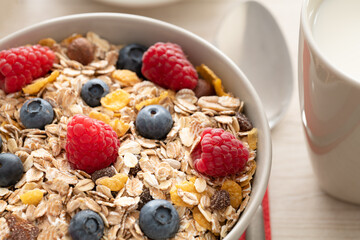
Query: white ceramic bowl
point(137, 3)
point(124, 28)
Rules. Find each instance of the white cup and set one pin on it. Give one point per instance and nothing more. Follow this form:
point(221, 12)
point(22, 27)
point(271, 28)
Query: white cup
point(330, 110)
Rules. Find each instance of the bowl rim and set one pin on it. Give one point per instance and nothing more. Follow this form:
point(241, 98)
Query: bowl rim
point(262, 181)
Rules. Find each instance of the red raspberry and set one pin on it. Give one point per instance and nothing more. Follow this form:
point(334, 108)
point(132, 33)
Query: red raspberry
point(219, 153)
point(90, 144)
point(166, 65)
point(19, 66)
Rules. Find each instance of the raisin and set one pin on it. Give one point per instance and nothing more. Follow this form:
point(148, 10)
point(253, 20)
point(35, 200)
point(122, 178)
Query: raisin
point(244, 122)
point(105, 172)
point(21, 229)
point(133, 171)
point(220, 200)
point(145, 197)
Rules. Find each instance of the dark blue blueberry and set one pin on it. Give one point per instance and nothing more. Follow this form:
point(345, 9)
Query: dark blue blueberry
point(0, 143)
point(86, 225)
point(36, 113)
point(154, 122)
point(159, 220)
point(92, 92)
point(11, 169)
point(130, 57)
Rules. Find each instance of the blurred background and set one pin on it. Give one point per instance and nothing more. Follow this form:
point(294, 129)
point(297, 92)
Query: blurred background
point(298, 208)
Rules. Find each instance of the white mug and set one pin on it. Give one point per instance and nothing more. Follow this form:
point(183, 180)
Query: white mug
point(330, 105)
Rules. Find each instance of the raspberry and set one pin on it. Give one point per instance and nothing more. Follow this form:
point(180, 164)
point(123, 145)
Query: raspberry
point(166, 65)
point(219, 153)
point(19, 66)
point(90, 144)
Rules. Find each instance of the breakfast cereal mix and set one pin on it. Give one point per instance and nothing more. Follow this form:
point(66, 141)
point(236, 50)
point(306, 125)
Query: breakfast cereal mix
point(104, 141)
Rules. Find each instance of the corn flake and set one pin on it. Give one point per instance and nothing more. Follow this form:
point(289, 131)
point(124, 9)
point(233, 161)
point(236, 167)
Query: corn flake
point(200, 219)
point(119, 126)
point(126, 77)
point(100, 116)
point(252, 138)
point(116, 100)
point(151, 101)
point(187, 186)
point(36, 86)
point(234, 191)
point(114, 183)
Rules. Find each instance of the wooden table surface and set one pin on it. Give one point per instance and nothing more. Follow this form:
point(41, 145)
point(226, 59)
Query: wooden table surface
point(299, 209)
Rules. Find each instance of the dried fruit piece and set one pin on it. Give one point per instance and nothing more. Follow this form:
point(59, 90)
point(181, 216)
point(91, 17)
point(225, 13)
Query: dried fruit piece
point(114, 183)
point(116, 100)
point(235, 192)
point(219, 88)
point(36, 86)
point(252, 138)
point(220, 200)
point(119, 126)
point(187, 186)
point(200, 219)
point(210, 76)
point(145, 197)
point(32, 197)
point(100, 116)
point(151, 101)
point(126, 77)
point(48, 42)
point(133, 171)
point(71, 38)
point(21, 229)
point(244, 122)
point(105, 172)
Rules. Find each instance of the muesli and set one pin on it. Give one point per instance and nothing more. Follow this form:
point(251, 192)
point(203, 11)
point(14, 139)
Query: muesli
point(60, 124)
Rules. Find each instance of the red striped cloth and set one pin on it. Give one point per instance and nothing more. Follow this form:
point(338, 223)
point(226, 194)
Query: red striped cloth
point(266, 213)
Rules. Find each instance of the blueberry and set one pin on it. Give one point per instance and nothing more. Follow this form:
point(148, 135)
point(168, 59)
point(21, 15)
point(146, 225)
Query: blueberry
point(36, 113)
point(92, 92)
point(130, 57)
point(159, 219)
point(86, 225)
point(154, 122)
point(11, 169)
point(0, 143)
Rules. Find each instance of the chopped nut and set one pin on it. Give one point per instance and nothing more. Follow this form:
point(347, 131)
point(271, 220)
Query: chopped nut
point(220, 200)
